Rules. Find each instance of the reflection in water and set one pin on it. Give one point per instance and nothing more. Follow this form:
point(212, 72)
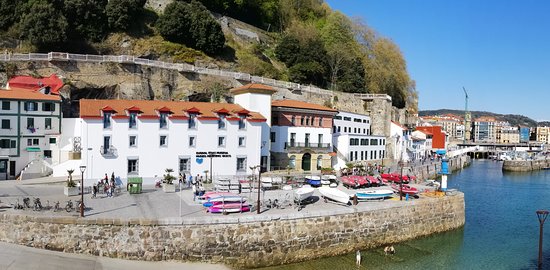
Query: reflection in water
point(501, 230)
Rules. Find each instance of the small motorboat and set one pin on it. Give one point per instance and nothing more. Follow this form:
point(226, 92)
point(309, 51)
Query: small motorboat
point(229, 208)
point(373, 194)
point(303, 193)
point(335, 195)
point(224, 199)
point(328, 179)
point(312, 180)
point(405, 189)
point(210, 194)
point(362, 181)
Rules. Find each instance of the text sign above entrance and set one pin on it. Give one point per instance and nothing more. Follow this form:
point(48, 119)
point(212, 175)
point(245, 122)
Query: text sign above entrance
point(212, 154)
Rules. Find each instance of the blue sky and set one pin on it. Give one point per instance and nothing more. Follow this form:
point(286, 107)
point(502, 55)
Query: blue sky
point(499, 50)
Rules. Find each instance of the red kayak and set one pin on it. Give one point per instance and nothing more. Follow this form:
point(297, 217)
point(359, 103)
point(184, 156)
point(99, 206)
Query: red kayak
point(405, 189)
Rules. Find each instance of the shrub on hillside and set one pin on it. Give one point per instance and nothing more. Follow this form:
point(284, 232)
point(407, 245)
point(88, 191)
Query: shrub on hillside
point(191, 24)
point(121, 14)
point(42, 25)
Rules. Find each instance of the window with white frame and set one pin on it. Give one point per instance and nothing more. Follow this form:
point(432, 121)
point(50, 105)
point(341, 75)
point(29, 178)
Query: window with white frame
point(242, 123)
point(31, 106)
point(133, 141)
point(48, 106)
point(163, 140)
point(48, 123)
point(242, 141)
point(133, 164)
point(221, 141)
point(5, 105)
point(241, 164)
point(6, 124)
point(185, 164)
point(30, 123)
point(192, 141)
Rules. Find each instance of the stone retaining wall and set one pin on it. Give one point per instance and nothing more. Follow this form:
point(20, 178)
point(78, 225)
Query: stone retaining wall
point(241, 241)
point(424, 172)
point(525, 165)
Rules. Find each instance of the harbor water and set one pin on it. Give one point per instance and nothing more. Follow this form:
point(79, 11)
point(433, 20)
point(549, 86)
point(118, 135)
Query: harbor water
point(501, 230)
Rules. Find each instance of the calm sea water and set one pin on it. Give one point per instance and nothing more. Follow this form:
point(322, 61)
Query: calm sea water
point(501, 230)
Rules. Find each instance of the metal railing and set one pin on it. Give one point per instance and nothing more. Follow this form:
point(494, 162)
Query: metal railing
point(289, 145)
point(181, 67)
point(109, 151)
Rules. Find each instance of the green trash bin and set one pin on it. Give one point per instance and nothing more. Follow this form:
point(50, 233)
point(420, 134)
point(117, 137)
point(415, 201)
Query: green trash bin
point(134, 185)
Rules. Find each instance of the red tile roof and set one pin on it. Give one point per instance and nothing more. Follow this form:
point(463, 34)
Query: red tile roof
point(25, 94)
point(92, 108)
point(289, 103)
point(31, 83)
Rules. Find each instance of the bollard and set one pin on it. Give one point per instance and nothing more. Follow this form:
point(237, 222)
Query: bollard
point(355, 199)
point(407, 197)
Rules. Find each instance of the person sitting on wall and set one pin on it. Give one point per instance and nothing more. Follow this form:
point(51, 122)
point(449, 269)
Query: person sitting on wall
point(389, 250)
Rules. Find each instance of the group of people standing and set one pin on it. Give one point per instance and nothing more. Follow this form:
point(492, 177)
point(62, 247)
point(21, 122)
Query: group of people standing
point(108, 186)
point(196, 183)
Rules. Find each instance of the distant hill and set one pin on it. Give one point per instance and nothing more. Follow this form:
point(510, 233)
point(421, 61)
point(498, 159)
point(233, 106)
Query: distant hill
point(513, 119)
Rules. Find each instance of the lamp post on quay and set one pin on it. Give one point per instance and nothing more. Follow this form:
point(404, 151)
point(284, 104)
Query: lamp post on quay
point(253, 168)
point(541, 214)
point(82, 169)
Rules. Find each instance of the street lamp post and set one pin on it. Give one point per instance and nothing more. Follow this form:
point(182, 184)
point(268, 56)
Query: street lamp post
point(82, 169)
point(541, 214)
point(401, 182)
point(259, 187)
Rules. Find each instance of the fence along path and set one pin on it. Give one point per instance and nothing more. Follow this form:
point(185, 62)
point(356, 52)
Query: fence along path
point(181, 67)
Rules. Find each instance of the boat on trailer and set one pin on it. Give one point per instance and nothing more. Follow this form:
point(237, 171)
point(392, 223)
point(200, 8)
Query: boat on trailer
point(335, 195)
point(229, 208)
point(313, 180)
point(405, 189)
point(303, 193)
point(373, 194)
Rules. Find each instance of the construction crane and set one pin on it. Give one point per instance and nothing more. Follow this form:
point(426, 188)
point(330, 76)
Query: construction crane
point(466, 116)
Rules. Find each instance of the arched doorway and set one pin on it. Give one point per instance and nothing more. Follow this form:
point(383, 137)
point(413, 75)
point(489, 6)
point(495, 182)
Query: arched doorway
point(306, 162)
point(319, 162)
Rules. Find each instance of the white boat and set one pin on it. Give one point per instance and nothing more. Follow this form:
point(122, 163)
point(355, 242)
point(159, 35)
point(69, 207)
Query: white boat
point(334, 194)
point(303, 193)
point(373, 194)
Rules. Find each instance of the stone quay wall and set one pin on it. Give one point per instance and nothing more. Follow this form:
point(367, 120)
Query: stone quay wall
point(430, 171)
point(240, 241)
point(525, 165)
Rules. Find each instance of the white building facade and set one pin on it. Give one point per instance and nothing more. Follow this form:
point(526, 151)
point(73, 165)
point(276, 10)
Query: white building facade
point(143, 138)
point(29, 132)
point(401, 138)
point(352, 140)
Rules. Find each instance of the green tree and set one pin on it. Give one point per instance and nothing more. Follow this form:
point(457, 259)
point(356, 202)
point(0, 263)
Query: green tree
point(86, 18)
point(191, 24)
point(121, 14)
point(174, 24)
point(43, 25)
point(8, 14)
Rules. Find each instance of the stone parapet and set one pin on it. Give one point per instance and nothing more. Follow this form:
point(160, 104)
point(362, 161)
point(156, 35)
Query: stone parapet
point(234, 240)
point(525, 165)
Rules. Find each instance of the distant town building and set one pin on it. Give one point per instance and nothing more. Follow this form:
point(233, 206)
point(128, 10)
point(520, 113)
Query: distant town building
point(422, 144)
point(543, 134)
point(353, 141)
point(30, 130)
point(509, 134)
point(524, 134)
point(401, 138)
point(484, 129)
point(301, 135)
point(438, 136)
point(453, 125)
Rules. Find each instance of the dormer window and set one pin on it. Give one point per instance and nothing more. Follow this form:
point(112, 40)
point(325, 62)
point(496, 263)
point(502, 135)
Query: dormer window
point(192, 120)
point(221, 121)
point(106, 119)
point(132, 116)
point(107, 113)
point(163, 120)
point(242, 124)
point(132, 121)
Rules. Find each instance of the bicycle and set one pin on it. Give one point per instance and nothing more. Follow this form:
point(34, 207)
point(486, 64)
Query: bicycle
point(26, 202)
point(37, 204)
point(56, 207)
point(69, 206)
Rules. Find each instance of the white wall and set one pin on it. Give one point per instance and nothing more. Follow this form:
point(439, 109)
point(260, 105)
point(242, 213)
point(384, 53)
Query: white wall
point(154, 159)
point(282, 135)
point(342, 142)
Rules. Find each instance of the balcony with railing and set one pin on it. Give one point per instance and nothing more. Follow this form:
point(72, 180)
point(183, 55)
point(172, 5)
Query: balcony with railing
point(298, 146)
point(108, 151)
